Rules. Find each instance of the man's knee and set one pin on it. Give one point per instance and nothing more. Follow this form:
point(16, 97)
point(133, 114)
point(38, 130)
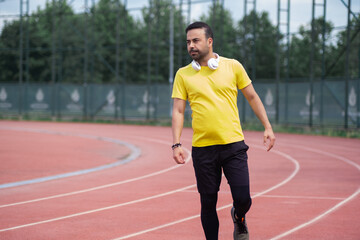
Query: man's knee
point(208, 202)
point(242, 200)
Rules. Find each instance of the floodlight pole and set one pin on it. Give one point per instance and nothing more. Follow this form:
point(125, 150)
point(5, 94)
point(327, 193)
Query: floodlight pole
point(253, 62)
point(53, 59)
point(189, 12)
point(117, 59)
point(27, 47)
point(156, 47)
point(149, 63)
point(253, 56)
point(180, 41)
point(123, 100)
point(347, 74)
point(171, 52)
point(312, 65)
point(222, 23)
point(323, 70)
point(287, 23)
point(21, 52)
point(86, 57)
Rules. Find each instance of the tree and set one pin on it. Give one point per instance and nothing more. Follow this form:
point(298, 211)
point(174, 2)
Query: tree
point(110, 23)
point(156, 26)
point(337, 66)
point(9, 54)
point(222, 24)
point(300, 49)
point(40, 29)
point(265, 44)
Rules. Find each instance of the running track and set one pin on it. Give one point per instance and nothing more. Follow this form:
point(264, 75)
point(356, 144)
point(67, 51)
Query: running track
point(125, 185)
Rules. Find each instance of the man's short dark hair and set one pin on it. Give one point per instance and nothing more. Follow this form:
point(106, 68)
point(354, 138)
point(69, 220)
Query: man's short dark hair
point(207, 28)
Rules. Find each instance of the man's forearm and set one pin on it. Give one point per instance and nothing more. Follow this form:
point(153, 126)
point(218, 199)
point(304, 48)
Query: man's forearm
point(177, 126)
point(259, 110)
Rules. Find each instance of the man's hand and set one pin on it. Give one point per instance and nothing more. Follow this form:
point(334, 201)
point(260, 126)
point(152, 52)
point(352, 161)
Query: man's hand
point(178, 155)
point(269, 139)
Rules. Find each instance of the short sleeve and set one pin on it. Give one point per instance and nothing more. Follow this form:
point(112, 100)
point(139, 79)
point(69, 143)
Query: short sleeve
point(179, 90)
point(242, 78)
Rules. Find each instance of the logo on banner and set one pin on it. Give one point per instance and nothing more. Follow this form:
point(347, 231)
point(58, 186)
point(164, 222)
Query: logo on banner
point(110, 99)
point(269, 99)
point(3, 97)
point(269, 102)
point(305, 112)
point(307, 98)
point(39, 104)
point(75, 96)
point(352, 104)
point(146, 99)
point(352, 97)
point(75, 106)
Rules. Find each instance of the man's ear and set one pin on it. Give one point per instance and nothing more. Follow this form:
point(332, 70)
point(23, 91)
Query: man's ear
point(210, 41)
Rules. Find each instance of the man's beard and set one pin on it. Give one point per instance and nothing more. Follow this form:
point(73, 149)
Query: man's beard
point(200, 54)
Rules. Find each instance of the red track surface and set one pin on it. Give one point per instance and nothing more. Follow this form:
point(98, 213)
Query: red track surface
point(307, 187)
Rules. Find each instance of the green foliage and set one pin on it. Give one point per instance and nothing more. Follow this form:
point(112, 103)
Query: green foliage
point(84, 46)
point(301, 47)
point(339, 52)
point(225, 35)
point(264, 46)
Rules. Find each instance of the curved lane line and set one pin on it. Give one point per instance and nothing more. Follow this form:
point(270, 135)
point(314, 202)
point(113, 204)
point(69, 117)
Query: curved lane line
point(135, 153)
point(292, 175)
point(268, 190)
point(100, 209)
point(145, 199)
point(348, 161)
point(109, 207)
point(340, 204)
point(107, 185)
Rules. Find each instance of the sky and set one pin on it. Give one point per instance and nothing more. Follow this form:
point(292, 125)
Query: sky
point(300, 10)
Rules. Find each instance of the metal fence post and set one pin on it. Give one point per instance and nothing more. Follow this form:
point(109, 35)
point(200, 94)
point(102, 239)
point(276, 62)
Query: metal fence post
point(171, 52)
point(347, 74)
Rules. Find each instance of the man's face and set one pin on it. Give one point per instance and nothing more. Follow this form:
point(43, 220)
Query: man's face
point(197, 44)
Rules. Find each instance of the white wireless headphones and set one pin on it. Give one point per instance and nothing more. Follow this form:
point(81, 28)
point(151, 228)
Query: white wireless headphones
point(212, 63)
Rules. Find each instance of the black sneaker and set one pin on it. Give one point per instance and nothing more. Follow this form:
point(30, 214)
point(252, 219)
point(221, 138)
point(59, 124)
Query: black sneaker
point(240, 228)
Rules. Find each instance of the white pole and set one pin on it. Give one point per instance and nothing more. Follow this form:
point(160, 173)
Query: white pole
point(171, 52)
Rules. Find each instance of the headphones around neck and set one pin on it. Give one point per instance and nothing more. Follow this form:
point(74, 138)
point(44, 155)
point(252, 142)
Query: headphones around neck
point(212, 63)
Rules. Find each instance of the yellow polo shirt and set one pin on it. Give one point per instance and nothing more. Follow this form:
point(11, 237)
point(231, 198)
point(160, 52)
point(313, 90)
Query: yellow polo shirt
point(212, 95)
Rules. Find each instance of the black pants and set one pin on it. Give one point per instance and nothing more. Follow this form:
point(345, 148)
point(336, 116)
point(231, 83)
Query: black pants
point(209, 162)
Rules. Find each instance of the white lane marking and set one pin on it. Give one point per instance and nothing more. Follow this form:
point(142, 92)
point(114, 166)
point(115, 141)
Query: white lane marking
point(280, 196)
point(158, 227)
point(303, 197)
point(333, 147)
point(100, 209)
point(340, 204)
point(107, 185)
point(292, 175)
point(348, 161)
point(135, 153)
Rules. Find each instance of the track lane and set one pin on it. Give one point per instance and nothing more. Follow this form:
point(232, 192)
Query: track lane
point(312, 201)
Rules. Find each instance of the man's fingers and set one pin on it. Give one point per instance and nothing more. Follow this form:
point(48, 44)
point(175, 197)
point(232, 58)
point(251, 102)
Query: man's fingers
point(265, 140)
point(179, 159)
point(269, 141)
point(179, 156)
point(271, 144)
